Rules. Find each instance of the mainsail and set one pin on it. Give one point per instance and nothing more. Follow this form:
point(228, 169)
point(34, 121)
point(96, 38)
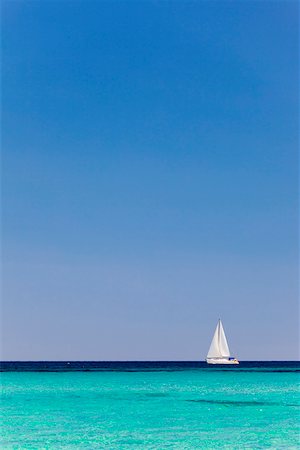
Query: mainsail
point(219, 347)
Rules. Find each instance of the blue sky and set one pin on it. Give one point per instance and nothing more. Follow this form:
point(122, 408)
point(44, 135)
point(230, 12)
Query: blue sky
point(149, 179)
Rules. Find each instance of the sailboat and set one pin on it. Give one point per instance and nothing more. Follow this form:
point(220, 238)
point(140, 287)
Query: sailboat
point(218, 352)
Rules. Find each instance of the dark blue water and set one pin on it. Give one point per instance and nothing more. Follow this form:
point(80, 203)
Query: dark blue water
point(141, 366)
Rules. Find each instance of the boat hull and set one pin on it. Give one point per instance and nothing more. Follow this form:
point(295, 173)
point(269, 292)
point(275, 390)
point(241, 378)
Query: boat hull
point(221, 361)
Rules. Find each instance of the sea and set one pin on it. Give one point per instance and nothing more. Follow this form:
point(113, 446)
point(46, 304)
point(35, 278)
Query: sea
point(149, 405)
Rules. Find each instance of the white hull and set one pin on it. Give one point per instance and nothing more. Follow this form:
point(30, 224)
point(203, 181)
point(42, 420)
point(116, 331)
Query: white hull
point(221, 361)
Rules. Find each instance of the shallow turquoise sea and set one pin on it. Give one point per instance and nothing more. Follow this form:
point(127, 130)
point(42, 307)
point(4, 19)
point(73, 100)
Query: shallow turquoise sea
point(183, 408)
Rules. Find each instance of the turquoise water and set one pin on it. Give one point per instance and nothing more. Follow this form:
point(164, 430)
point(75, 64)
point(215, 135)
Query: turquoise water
point(160, 409)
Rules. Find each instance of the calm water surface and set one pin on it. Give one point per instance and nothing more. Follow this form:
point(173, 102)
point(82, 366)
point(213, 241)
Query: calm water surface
point(149, 406)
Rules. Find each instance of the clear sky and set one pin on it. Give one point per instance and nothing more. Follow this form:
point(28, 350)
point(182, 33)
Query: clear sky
point(149, 179)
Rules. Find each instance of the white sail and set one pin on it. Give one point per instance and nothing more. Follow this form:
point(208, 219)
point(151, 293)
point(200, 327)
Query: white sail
point(218, 347)
point(223, 341)
point(214, 349)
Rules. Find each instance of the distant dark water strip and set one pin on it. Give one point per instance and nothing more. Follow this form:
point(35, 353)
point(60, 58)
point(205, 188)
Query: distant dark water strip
point(145, 366)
